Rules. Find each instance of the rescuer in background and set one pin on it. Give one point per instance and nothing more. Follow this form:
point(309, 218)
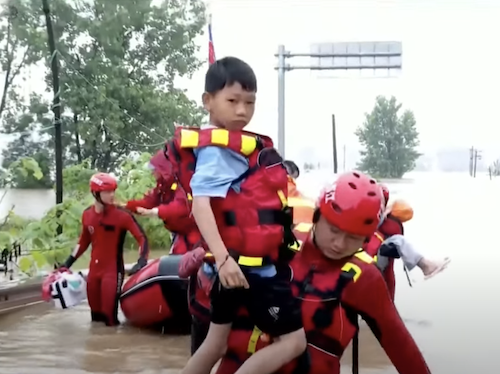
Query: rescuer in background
point(336, 282)
point(169, 202)
point(105, 225)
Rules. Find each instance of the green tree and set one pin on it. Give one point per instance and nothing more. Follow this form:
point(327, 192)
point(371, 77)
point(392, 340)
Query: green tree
point(389, 139)
point(40, 236)
point(20, 47)
point(25, 147)
point(24, 120)
point(119, 61)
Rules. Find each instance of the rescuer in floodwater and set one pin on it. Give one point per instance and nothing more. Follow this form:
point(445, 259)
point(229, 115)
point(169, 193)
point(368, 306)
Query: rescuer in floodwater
point(336, 282)
point(104, 225)
point(169, 202)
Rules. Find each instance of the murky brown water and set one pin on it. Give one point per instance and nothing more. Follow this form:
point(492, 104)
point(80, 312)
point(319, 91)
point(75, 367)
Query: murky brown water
point(454, 317)
point(42, 341)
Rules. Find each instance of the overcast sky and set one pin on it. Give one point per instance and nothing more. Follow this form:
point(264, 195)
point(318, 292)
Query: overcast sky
point(450, 77)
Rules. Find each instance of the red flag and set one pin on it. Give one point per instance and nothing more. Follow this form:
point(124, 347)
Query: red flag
point(211, 49)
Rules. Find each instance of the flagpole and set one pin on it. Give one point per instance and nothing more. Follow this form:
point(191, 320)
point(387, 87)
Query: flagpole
point(211, 48)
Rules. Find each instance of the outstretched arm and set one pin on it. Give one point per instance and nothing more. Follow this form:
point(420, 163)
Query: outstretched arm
point(148, 201)
point(370, 298)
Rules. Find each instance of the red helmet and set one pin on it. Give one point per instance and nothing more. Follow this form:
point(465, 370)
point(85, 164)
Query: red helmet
point(385, 192)
point(102, 182)
point(353, 204)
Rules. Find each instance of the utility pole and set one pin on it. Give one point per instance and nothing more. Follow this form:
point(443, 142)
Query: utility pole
point(334, 140)
point(477, 156)
point(471, 161)
point(345, 56)
point(56, 105)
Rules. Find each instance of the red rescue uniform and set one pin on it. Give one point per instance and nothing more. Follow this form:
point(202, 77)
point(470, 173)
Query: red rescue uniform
point(174, 209)
point(106, 232)
point(333, 294)
point(391, 226)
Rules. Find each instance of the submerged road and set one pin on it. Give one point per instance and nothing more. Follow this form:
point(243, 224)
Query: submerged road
point(453, 317)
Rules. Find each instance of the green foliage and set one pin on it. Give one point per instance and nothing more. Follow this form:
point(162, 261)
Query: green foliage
point(26, 167)
point(389, 139)
point(118, 64)
point(40, 236)
point(23, 147)
point(20, 47)
point(12, 227)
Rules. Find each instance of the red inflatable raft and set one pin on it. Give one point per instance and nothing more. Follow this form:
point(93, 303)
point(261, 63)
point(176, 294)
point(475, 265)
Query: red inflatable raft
point(156, 297)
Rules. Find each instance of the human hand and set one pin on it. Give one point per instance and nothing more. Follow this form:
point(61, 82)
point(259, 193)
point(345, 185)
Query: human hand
point(141, 262)
point(147, 212)
point(230, 274)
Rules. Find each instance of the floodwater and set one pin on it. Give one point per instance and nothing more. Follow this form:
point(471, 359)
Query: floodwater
point(453, 317)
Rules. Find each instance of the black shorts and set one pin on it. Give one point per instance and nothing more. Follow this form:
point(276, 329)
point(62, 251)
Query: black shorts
point(269, 302)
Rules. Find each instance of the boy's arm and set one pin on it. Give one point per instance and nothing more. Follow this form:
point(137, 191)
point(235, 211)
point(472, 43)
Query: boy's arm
point(216, 169)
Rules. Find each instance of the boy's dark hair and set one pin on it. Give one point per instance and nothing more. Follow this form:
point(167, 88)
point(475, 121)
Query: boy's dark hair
point(228, 71)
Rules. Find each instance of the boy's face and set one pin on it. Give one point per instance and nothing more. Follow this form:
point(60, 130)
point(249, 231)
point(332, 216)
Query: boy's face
point(231, 108)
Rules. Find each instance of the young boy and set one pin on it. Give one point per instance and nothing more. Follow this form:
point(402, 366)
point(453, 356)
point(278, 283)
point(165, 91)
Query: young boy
point(222, 174)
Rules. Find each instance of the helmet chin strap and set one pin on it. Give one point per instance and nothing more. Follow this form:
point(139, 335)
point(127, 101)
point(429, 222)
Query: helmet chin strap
point(97, 197)
point(313, 235)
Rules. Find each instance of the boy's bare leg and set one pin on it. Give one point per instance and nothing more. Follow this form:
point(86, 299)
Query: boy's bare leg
point(210, 351)
point(274, 356)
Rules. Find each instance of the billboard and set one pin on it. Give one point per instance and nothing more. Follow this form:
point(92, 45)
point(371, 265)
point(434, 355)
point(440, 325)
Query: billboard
point(337, 59)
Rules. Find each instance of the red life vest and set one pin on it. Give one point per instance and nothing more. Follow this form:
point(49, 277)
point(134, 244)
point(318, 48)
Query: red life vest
point(254, 224)
point(178, 210)
point(391, 226)
point(176, 205)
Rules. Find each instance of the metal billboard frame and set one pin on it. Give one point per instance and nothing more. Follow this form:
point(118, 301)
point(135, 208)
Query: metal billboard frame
point(351, 56)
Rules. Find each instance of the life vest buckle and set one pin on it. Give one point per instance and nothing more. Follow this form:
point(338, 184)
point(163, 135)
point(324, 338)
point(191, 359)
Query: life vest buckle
point(250, 261)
